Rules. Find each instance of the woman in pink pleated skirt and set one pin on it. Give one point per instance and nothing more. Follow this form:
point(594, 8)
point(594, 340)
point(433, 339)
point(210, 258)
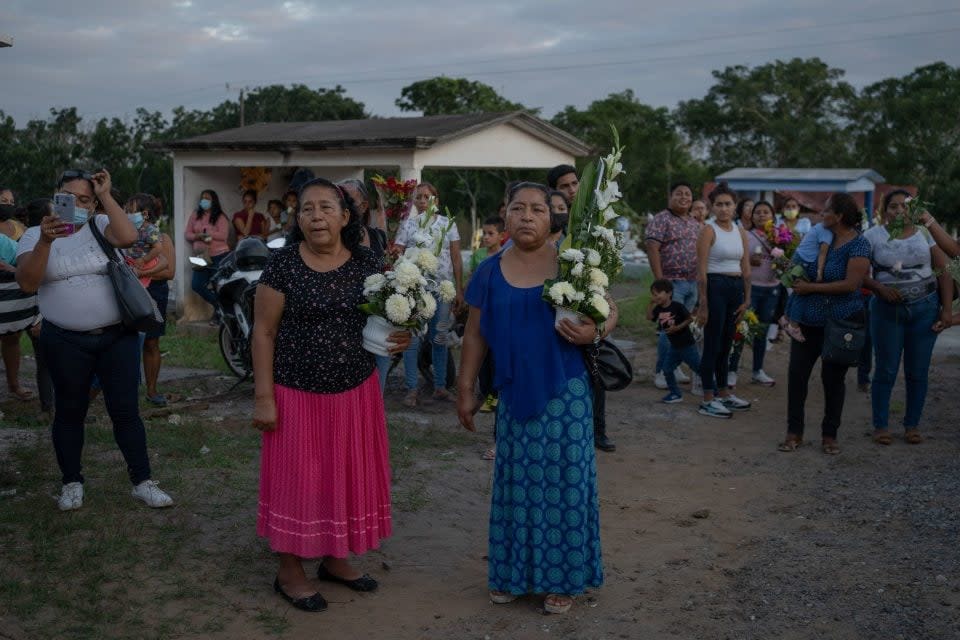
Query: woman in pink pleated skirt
point(325, 470)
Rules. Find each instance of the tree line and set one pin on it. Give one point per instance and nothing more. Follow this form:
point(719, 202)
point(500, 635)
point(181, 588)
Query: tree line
point(795, 113)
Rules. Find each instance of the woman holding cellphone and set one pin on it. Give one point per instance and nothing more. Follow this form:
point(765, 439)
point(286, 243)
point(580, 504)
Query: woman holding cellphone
point(82, 334)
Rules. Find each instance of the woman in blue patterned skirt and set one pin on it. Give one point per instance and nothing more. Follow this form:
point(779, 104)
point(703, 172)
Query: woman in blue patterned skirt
point(544, 518)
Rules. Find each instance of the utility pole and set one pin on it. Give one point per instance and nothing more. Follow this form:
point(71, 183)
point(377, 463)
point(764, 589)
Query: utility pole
point(243, 91)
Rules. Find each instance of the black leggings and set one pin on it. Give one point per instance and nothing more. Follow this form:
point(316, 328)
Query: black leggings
point(803, 357)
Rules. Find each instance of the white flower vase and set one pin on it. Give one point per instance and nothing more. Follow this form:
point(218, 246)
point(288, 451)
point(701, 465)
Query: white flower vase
point(569, 314)
point(375, 335)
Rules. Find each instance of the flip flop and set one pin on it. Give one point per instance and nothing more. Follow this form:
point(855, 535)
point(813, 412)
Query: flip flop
point(502, 597)
point(489, 454)
point(882, 436)
point(830, 447)
point(912, 436)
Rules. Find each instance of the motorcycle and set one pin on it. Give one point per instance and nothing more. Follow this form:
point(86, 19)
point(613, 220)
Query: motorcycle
point(235, 285)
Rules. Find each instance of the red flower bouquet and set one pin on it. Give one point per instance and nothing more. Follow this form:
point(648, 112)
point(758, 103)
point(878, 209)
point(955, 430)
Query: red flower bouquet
point(395, 199)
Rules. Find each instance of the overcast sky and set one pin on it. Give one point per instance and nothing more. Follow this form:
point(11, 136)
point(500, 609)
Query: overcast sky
point(111, 56)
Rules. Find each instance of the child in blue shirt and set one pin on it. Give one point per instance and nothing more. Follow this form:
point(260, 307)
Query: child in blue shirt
point(811, 254)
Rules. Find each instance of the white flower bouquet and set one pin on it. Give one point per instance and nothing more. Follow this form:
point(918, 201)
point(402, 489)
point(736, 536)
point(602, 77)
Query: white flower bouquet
point(403, 296)
point(590, 254)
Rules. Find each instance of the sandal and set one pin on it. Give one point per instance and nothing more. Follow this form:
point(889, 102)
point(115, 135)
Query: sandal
point(882, 436)
point(502, 597)
point(410, 400)
point(829, 446)
point(792, 443)
point(557, 603)
point(912, 436)
point(489, 454)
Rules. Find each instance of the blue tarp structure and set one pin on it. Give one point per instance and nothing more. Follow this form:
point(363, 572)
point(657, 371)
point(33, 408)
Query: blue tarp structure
point(761, 180)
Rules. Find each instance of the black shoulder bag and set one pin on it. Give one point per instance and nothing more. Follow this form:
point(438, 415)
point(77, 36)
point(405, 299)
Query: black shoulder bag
point(608, 368)
point(137, 309)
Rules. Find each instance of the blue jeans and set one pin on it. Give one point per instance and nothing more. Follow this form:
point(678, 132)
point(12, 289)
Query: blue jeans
point(201, 277)
point(383, 368)
point(675, 357)
point(73, 359)
point(764, 302)
point(902, 329)
point(437, 331)
point(684, 292)
point(866, 356)
point(724, 295)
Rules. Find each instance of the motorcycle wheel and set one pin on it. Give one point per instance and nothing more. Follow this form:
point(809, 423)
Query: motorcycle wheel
point(231, 356)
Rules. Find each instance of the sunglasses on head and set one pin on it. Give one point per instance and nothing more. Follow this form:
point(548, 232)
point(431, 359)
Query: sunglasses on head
point(74, 174)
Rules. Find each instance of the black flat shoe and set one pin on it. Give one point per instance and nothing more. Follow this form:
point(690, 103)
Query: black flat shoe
point(363, 583)
point(605, 444)
point(314, 603)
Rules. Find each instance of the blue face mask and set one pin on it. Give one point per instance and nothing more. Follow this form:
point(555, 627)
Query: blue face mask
point(205, 204)
point(80, 216)
point(136, 219)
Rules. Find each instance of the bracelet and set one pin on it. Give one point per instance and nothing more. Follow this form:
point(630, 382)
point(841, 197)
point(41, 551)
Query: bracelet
point(929, 222)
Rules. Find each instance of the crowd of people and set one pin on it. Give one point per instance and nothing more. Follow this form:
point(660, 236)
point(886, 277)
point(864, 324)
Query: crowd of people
point(319, 395)
point(894, 292)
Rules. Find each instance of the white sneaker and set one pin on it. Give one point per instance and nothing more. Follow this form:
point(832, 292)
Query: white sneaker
point(772, 331)
point(682, 378)
point(714, 409)
point(659, 381)
point(150, 493)
point(731, 379)
point(696, 387)
point(760, 377)
point(734, 403)
point(71, 496)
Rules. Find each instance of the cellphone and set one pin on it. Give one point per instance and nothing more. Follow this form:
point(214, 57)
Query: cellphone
point(64, 205)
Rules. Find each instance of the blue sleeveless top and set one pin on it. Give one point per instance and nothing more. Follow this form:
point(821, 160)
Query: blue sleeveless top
point(532, 363)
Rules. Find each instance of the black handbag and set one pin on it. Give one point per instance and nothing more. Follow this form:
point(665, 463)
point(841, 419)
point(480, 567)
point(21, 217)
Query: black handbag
point(138, 310)
point(608, 367)
point(843, 341)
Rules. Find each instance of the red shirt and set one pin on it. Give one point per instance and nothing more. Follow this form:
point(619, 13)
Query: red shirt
point(259, 229)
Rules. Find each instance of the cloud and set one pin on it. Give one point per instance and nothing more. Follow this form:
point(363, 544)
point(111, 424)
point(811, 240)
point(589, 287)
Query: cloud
point(227, 32)
point(299, 11)
point(566, 52)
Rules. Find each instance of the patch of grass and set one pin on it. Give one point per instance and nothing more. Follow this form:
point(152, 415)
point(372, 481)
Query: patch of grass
point(181, 349)
point(116, 569)
point(633, 309)
point(193, 351)
point(411, 499)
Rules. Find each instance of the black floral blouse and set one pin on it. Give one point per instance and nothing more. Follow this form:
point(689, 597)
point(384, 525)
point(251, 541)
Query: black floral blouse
point(319, 345)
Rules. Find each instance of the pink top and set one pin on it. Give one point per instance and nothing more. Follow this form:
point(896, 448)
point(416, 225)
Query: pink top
point(762, 275)
point(219, 232)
